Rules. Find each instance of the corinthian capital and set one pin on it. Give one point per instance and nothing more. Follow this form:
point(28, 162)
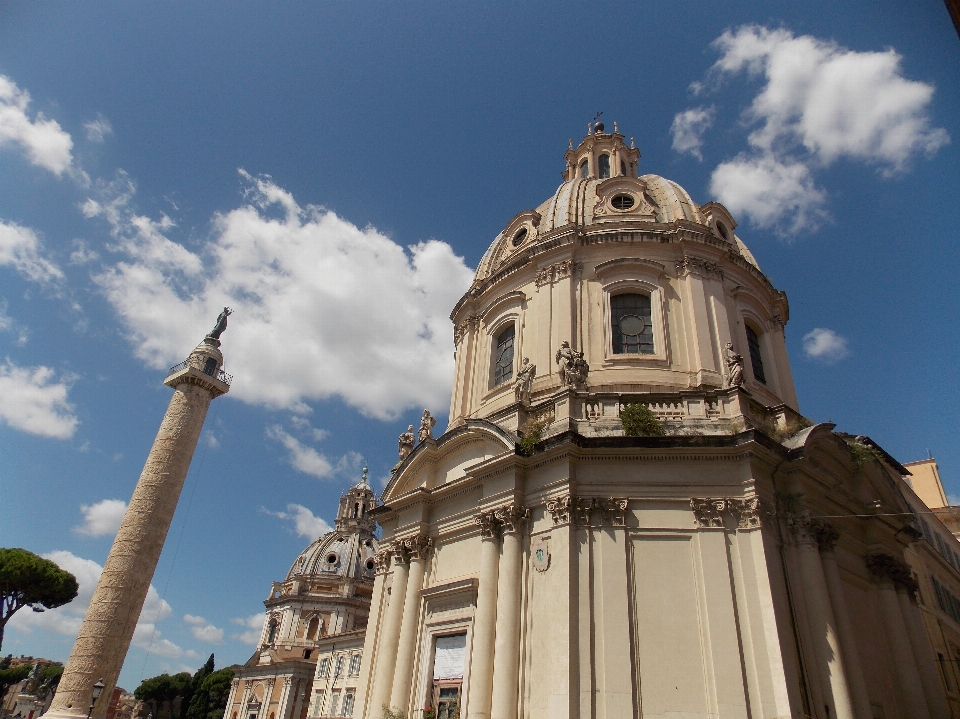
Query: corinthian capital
point(512, 518)
point(489, 525)
point(417, 546)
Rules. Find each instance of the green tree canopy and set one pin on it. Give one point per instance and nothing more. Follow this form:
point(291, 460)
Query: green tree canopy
point(210, 697)
point(27, 580)
point(9, 677)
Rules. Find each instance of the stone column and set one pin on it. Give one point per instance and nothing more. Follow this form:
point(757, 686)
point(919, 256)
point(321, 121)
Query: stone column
point(284, 703)
point(417, 549)
point(848, 639)
point(922, 652)
point(230, 698)
point(820, 615)
point(506, 671)
point(484, 620)
point(390, 633)
point(114, 610)
point(886, 570)
point(370, 655)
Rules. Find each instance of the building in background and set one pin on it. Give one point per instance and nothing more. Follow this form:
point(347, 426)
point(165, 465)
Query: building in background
point(728, 559)
point(319, 611)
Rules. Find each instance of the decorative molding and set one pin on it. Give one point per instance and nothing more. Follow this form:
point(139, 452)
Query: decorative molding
point(489, 526)
point(556, 272)
point(417, 546)
point(696, 265)
point(711, 511)
point(398, 552)
point(512, 518)
point(540, 551)
point(381, 561)
point(569, 509)
point(468, 325)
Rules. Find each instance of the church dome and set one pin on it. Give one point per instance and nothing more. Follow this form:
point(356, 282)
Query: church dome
point(347, 552)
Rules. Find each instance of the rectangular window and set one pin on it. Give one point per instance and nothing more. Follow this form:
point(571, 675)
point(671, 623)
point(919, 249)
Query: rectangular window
point(631, 324)
point(324, 668)
point(756, 360)
point(503, 358)
point(449, 656)
point(347, 709)
point(354, 665)
point(334, 702)
point(944, 672)
point(318, 703)
point(339, 668)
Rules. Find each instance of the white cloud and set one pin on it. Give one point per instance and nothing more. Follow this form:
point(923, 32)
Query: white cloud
point(66, 620)
point(773, 193)
point(82, 254)
point(9, 324)
point(820, 102)
point(302, 458)
point(102, 519)
point(211, 439)
point(688, 128)
point(31, 401)
point(21, 248)
point(825, 345)
point(202, 630)
point(303, 424)
point(253, 625)
point(43, 141)
point(98, 129)
point(322, 307)
point(305, 523)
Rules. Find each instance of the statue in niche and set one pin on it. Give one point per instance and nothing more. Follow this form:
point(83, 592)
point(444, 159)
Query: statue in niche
point(406, 443)
point(573, 367)
point(521, 385)
point(221, 324)
point(734, 366)
point(426, 426)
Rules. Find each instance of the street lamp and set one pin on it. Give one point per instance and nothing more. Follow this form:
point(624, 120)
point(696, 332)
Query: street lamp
point(94, 695)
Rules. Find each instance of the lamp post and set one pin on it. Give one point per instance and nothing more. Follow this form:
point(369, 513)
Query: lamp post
point(94, 695)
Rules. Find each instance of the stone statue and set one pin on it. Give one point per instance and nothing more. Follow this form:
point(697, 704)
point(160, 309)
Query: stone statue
point(734, 366)
point(221, 324)
point(406, 443)
point(426, 426)
point(521, 385)
point(573, 367)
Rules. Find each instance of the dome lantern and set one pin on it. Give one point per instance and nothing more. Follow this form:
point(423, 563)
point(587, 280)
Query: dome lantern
point(601, 155)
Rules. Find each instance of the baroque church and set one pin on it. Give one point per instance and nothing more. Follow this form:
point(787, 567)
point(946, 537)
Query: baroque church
point(544, 557)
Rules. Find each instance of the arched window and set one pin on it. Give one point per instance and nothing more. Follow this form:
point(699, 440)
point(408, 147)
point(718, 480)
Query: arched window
point(623, 168)
point(756, 360)
point(503, 357)
point(312, 627)
point(631, 324)
point(603, 167)
point(584, 169)
point(272, 632)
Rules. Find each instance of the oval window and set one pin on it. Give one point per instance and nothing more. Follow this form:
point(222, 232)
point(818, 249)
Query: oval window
point(369, 565)
point(622, 202)
point(331, 558)
point(520, 237)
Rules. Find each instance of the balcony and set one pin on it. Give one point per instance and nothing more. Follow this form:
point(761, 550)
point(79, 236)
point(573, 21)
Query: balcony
point(220, 375)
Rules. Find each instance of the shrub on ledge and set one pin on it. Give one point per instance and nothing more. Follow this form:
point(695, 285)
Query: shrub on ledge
point(640, 421)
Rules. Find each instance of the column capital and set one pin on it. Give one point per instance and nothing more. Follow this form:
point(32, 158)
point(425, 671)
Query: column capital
point(381, 560)
point(489, 525)
point(711, 511)
point(806, 529)
point(708, 512)
point(512, 518)
point(885, 568)
point(417, 546)
point(398, 553)
point(570, 509)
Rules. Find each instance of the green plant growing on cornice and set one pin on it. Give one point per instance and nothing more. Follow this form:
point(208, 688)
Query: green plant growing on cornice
point(639, 421)
point(532, 434)
point(864, 454)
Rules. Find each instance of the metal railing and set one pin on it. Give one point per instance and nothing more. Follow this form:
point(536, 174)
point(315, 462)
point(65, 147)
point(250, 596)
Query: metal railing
point(221, 375)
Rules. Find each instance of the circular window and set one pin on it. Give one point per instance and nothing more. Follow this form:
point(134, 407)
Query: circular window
point(520, 237)
point(622, 202)
point(631, 325)
point(369, 565)
point(331, 558)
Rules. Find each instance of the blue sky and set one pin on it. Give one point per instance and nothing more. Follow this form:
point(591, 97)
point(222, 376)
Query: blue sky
point(335, 171)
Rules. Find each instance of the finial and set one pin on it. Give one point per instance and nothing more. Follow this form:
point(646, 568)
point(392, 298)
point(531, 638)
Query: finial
point(570, 141)
point(365, 470)
point(632, 146)
point(598, 126)
point(615, 129)
point(589, 128)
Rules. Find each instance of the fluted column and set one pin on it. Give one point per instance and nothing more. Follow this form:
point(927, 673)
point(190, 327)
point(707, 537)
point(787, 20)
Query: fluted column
point(417, 548)
point(111, 618)
point(923, 653)
point(848, 640)
point(484, 620)
point(390, 634)
point(820, 614)
point(506, 672)
point(886, 570)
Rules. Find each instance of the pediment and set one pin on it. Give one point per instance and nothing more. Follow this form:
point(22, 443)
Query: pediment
point(449, 458)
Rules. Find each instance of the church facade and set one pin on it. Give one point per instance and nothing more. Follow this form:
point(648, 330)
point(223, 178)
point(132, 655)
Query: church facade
point(722, 557)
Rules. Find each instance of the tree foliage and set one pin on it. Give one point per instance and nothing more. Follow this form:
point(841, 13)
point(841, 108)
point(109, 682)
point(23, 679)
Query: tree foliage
point(640, 421)
point(27, 580)
point(210, 697)
point(201, 696)
point(9, 677)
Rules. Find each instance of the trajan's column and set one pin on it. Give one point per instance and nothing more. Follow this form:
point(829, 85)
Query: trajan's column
point(111, 619)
